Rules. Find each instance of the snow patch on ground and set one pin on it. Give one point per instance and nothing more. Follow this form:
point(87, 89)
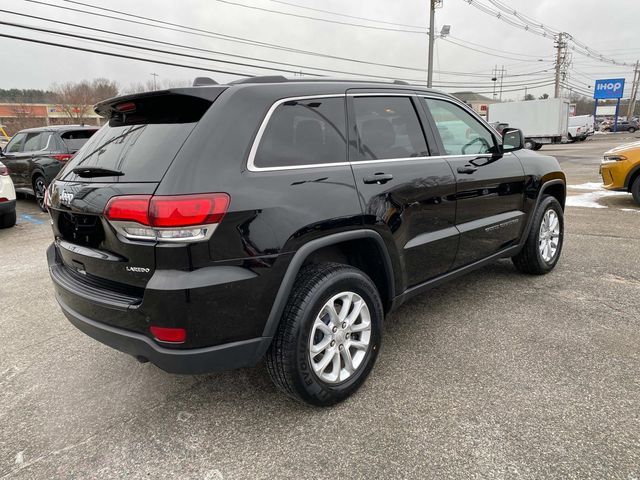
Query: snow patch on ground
point(590, 199)
point(586, 186)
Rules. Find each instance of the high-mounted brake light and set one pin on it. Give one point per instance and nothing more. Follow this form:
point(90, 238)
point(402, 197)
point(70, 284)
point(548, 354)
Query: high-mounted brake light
point(125, 107)
point(172, 218)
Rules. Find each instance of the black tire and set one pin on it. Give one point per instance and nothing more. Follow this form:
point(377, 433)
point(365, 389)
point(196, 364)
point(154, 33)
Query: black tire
point(288, 359)
point(529, 144)
point(8, 220)
point(530, 260)
point(39, 187)
point(635, 190)
point(631, 130)
point(537, 146)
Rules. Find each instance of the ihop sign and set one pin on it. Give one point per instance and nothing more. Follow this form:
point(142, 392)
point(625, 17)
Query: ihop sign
point(611, 88)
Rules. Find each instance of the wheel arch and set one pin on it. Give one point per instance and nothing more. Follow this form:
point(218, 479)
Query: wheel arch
point(557, 188)
point(35, 173)
point(350, 246)
point(631, 177)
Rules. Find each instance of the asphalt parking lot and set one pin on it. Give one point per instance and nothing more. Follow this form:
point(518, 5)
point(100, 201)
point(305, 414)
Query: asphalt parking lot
point(496, 375)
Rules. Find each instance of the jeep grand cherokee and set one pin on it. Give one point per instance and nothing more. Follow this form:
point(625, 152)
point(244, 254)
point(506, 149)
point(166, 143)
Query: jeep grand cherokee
point(205, 228)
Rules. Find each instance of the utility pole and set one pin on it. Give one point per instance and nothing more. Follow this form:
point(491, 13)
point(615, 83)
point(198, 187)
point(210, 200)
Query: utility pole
point(634, 91)
point(502, 72)
point(433, 4)
point(560, 60)
point(432, 18)
point(154, 75)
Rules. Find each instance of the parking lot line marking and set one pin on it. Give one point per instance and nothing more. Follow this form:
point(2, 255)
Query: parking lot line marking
point(29, 218)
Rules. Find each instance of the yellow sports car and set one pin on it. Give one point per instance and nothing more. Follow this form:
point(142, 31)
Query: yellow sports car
point(620, 169)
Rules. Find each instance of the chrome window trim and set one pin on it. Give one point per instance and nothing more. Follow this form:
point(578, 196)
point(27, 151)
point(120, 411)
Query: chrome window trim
point(263, 126)
point(251, 166)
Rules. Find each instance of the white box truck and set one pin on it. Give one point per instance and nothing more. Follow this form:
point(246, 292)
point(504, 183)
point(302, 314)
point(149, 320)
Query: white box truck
point(542, 121)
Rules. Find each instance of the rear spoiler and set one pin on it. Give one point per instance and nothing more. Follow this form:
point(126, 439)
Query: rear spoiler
point(107, 108)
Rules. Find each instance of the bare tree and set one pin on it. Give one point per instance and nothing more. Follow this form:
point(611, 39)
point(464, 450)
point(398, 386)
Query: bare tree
point(148, 86)
point(23, 117)
point(75, 99)
point(103, 89)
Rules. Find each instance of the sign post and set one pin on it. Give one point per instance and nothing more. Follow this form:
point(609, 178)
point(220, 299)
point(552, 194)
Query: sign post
point(612, 88)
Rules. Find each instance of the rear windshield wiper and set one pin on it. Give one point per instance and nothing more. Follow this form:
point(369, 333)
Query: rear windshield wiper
point(96, 172)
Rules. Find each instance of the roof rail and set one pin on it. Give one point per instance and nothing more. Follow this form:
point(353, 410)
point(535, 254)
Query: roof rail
point(202, 81)
point(400, 82)
point(263, 79)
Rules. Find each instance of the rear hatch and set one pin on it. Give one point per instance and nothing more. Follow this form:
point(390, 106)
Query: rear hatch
point(128, 156)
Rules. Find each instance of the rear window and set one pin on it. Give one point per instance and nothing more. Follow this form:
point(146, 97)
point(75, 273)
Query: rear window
point(142, 142)
point(304, 132)
point(74, 139)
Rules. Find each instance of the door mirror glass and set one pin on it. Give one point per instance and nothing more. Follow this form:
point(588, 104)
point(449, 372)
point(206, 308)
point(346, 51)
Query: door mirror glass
point(512, 139)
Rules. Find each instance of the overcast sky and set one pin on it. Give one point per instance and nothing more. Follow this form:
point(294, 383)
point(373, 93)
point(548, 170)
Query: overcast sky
point(612, 31)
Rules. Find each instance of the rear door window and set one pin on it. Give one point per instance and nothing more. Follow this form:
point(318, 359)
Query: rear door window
point(32, 142)
point(304, 132)
point(388, 128)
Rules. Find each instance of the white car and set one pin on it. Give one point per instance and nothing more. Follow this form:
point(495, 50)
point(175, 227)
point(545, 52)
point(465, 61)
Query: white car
point(7, 199)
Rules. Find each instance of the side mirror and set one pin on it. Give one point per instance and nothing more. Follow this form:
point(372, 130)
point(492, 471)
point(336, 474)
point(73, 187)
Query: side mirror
point(512, 139)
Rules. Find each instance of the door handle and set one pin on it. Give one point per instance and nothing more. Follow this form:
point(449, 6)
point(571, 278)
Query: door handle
point(467, 169)
point(378, 178)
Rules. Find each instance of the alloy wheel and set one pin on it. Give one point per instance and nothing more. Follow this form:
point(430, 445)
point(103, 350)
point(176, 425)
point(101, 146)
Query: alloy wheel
point(340, 337)
point(39, 190)
point(549, 237)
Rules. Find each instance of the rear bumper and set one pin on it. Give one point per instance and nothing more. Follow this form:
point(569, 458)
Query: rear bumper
point(122, 321)
point(228, 356)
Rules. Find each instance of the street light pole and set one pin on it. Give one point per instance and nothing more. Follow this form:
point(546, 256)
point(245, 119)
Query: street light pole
point(432, 15)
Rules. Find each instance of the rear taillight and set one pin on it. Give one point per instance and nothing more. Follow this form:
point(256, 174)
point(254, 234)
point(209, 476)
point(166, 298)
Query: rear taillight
point(176, 218)
point(4, 170)
point(62, 157)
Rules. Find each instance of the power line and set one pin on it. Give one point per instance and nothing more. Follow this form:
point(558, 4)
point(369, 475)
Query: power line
point(347, 16)
point(531, 25)
point(129, 57)
point(494, 49)
point(297, 66)
point(308, 17)
point(149, 49)
point(145, 39)
point(478, 50)
point(206, 33)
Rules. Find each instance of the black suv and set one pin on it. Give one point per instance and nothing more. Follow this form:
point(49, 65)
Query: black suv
point(35, 156)
point(205, 228)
